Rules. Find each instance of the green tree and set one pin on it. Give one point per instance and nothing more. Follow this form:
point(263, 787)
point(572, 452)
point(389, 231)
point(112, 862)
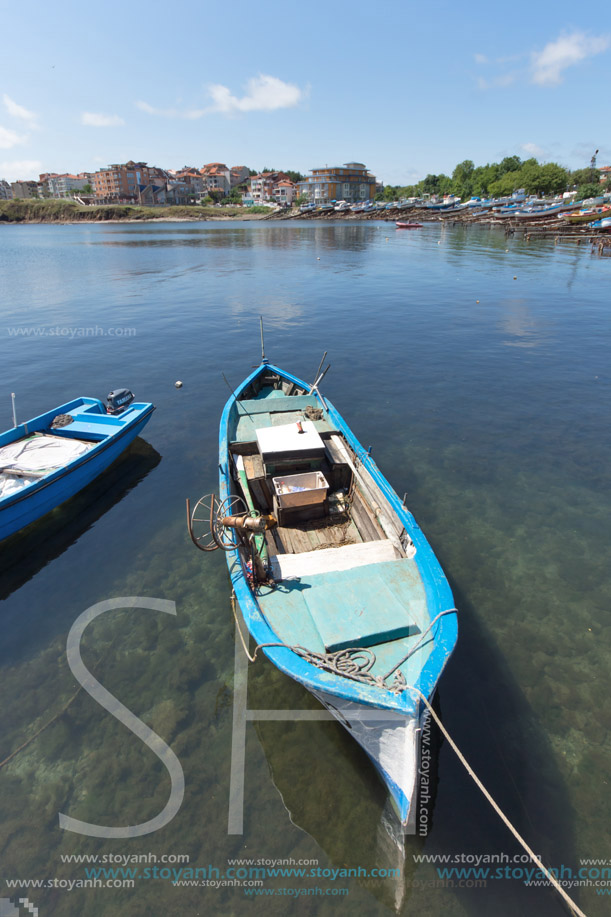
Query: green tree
point(529, 176)
point(510, 164)
point(552, 178)
point(430, 184)
point(435, 184)
point(591, 189)
point(462, 179)
point(234, 197)
point(483, 177)
point(584, 177)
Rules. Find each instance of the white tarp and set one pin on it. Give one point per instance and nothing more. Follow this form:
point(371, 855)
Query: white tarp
point(38, 455)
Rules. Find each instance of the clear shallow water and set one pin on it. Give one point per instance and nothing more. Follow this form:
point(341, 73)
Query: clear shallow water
point(481, 376)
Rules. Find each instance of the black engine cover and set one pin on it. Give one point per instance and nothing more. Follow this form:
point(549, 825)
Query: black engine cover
point(118, 400)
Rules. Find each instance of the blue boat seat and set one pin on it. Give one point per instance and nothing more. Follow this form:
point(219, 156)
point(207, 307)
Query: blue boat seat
point(374, 605)
point(253, 414)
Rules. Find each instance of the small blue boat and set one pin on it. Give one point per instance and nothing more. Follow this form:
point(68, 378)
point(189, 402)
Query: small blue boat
point(334, 578)
point(46, 460)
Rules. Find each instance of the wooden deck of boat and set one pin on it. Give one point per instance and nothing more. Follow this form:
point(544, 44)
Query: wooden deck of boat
point(354, 528)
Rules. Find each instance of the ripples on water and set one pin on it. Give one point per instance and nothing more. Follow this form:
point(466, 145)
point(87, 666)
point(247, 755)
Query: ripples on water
point(478, 366)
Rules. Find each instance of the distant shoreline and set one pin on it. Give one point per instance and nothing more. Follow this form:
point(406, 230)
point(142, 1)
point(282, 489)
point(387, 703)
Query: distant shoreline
point(18, 212)
point(58, 212)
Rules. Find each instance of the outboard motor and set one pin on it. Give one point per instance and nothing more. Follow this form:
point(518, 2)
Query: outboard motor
point(118, 400)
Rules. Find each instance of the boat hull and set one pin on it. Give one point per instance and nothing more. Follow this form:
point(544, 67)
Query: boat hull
point(392, 742)
point(387, 724)
point(26, 507)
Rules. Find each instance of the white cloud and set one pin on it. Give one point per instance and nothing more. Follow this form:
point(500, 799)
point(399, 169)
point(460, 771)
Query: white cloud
point(9, 138)
point(144, 106)
point(20, 170)
point(481, 59)
point(263, 93)
point(91, 119)
point(190, 114)
point(18, 111)
point(506, 79)
point(548, 65)
point(533, 149)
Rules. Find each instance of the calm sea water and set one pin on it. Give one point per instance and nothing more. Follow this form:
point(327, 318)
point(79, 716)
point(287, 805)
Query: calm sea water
point(478, 367)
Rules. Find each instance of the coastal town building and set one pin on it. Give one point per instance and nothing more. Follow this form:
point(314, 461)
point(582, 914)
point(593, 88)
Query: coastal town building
point(181, 192)
point(150, 195)
point(261, 187)
point(63, 185)
point(5, 190)
point(121, 182)
point(191, 177)
point(284, 192)
point(43, 183)
point(24, 189)
point(238, 175)
point(350, 182)
point(605, 173)
point(217, 177)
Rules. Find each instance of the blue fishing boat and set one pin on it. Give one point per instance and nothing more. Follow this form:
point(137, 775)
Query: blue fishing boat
point(50, 458)
point(335, 580)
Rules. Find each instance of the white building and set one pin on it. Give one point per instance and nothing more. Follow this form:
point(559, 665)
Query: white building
point(217, 177)
point(284, 192)
point(65, 185)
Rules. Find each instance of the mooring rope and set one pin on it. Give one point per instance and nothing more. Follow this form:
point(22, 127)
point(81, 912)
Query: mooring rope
point(416, 646)
point(300, 650)
point(42, 729)
point(549, 875)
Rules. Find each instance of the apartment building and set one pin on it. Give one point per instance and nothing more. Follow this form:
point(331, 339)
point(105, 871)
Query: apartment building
point(350, 182)
point(238, 175)
point(25, 189)
point(192, 178)
point(261, 186)
point(5, 190)
point(284, 192)
point(217, 177)
point(64, 185)
point(122, 181)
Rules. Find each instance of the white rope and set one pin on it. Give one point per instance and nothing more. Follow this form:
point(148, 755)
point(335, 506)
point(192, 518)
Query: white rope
point(237, 624)
point(498, 810)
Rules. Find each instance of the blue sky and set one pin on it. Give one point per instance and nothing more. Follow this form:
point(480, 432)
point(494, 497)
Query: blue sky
point(405, 87)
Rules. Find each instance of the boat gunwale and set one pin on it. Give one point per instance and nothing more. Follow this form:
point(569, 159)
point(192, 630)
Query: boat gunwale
point(437, 589)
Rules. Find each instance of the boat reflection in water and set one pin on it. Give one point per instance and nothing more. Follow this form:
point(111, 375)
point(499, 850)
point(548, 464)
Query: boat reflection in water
point(28, 551)
point(331, 790)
